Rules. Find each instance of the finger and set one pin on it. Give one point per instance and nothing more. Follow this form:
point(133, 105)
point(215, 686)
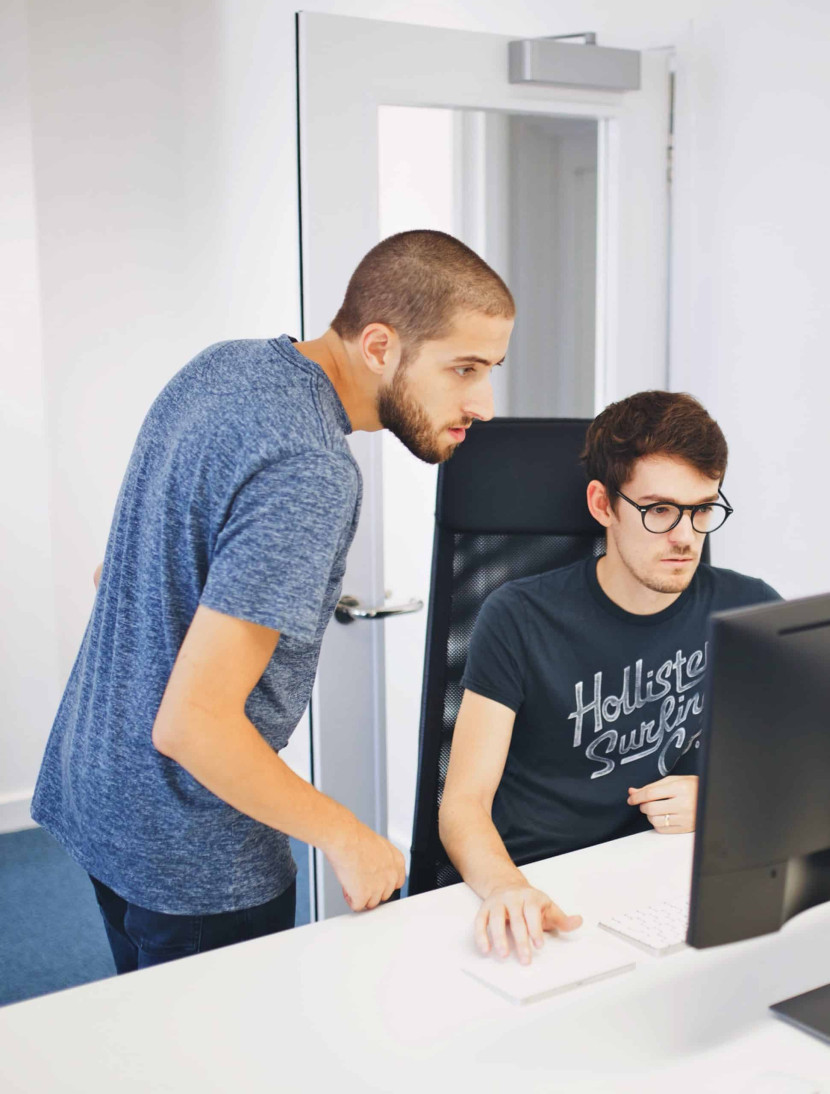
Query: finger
point(480, 929)
point(401, 872)
point(660, 808)
point(372, 902)
point(388, 891)
point(557, 920)
point(359, 899)
point(521, 939)
point(650, 794)
point(678, 822)
point(533, 919)
point(498, 930)
point(653, 791)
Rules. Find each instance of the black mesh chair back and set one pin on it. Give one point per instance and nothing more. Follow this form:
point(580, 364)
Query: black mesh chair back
point(511, 503)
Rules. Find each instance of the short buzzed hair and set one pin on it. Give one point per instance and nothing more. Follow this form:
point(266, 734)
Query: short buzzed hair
point(652, 423)
point(416, 282)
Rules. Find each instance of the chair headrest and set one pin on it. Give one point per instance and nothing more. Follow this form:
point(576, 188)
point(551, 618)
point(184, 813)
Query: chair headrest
point(517, 476)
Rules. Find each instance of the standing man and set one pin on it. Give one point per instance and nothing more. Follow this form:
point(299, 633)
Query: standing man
point(584, 686)
point(224, 563)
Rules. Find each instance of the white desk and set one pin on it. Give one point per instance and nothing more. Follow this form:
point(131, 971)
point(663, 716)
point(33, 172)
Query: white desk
point(377, 1002)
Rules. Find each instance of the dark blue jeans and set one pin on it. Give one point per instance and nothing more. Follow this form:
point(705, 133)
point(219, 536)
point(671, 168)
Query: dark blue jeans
point(140, 938)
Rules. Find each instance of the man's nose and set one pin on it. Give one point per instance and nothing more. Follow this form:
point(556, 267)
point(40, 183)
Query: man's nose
point(683, 532)
point(479, 404)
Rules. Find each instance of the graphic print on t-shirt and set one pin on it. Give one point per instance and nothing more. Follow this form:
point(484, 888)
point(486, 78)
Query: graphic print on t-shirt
point(655, 706)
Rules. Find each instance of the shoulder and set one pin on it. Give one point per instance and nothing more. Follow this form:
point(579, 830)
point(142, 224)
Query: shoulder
point(730, 589)
point(550, 582)
point(228, 366)
point(252, 369)
point(264, 402)
point(550, 585)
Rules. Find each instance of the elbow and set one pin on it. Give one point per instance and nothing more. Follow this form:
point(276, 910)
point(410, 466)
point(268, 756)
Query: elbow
point(441, 822)
point(459, 811)
point(445, 811)
point(164, 738)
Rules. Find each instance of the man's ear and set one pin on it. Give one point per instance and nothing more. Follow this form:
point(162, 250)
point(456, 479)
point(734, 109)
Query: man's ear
point(380, 348)
point(599, 504)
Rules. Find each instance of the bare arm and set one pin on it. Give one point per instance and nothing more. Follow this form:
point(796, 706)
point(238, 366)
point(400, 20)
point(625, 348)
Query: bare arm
point(96, 576)
point(202, 725)
point(481, 741)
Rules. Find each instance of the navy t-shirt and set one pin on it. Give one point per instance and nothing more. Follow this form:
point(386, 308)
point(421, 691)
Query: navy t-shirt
point(604, 699)
point(241, 495)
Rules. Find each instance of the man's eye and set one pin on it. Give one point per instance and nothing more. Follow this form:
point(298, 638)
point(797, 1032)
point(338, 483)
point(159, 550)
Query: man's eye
point(465, 370)
point(705, 509)
point(660, 510)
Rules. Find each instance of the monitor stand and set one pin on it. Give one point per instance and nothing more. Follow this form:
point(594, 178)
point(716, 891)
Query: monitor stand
point(809, 1011)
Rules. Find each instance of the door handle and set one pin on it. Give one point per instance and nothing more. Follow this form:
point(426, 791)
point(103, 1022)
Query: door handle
point(349, 609)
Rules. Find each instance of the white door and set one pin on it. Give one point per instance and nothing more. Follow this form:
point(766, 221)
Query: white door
point(410, 126)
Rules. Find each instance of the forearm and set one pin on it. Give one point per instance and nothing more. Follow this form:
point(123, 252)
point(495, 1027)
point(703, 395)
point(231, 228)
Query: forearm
point(475, 847)
point(228, 755)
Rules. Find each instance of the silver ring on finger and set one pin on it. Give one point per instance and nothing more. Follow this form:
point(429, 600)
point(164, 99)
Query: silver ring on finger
point(666, 820)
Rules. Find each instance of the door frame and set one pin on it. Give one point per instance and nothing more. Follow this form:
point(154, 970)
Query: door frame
point(346, 68)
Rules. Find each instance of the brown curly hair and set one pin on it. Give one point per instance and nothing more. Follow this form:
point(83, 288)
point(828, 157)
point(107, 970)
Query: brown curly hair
point(652, 423)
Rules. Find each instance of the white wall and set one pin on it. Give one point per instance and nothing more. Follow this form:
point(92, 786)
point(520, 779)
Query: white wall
point(154, 188)
point(29, 679)
point(553, 246)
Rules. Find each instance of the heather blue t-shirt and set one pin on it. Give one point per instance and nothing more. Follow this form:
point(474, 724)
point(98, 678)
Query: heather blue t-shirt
point(242, 495)
point(604, 699)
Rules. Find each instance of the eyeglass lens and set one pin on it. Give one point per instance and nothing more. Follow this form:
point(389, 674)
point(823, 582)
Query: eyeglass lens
point(661, 518)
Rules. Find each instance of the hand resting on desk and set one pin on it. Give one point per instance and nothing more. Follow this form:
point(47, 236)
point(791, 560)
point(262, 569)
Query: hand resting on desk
point(527, 911)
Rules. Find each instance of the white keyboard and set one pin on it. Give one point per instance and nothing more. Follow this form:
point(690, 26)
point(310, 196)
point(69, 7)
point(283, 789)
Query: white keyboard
point(658, 928)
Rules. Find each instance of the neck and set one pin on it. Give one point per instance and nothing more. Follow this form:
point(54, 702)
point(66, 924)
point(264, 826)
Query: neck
point(621, 586)
point(353, 382)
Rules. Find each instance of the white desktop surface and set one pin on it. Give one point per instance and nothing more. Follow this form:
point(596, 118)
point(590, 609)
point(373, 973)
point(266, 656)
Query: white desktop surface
point(378, 1002)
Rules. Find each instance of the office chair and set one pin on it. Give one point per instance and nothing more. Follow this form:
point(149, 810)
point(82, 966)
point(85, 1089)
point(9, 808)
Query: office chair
point(510, 503)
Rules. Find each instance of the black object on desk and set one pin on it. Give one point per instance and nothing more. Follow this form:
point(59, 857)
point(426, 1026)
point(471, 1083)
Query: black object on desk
point(762, 845)
point(810, 1012)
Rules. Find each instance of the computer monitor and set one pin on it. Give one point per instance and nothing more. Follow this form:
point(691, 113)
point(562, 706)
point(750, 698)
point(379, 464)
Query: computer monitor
point(762, 844)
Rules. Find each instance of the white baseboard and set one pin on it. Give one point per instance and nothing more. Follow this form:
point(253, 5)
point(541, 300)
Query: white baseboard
point(14, 812)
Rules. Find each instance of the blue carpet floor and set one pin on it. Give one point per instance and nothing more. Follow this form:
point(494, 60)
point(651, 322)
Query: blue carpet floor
point(51, 935)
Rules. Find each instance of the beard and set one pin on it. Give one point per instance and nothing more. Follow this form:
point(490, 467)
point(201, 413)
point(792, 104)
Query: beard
point(402, 415)
point(666, 583)
point(674, 584)
point(649, 576)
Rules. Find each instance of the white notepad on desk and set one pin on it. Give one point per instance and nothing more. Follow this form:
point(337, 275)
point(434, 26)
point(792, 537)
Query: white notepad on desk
point(561, 964)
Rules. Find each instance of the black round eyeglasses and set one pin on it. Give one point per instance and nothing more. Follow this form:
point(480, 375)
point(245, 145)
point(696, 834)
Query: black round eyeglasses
point(662, 516)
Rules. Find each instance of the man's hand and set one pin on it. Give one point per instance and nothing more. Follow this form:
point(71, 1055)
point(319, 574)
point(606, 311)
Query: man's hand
point(529, 913)
point(669, 804)
point(368, 866)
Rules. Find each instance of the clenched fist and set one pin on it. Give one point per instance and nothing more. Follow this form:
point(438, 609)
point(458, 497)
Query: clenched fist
point(368, 867)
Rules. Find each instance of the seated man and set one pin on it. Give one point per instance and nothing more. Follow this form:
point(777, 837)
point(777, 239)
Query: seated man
point(583, 701)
